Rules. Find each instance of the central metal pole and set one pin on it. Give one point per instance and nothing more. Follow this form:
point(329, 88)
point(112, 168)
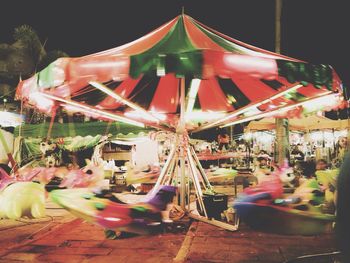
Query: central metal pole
point(181, 131)
point(182, 178)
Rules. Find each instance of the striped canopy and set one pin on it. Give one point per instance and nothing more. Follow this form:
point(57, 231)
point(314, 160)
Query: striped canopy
point(225, 80)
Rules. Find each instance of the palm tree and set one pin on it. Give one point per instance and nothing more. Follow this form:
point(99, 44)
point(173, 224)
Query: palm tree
point(30, 41)
point(26, 37)
point(23, 58)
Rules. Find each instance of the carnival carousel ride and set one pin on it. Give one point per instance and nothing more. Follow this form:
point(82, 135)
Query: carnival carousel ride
point(20, 198)
point(266, 208)
point(183, 77)
point(113, 215)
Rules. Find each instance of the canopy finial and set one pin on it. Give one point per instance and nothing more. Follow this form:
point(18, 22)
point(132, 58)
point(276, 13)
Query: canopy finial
point(183, 10)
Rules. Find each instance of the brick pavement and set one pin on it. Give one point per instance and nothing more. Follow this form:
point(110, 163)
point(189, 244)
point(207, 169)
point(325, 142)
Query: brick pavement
point(78, 241)
point(84, 242)
point(211, 244)
point(16, 232)
point(70, 240)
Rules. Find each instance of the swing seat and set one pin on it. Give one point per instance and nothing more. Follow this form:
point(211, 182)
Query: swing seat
point(283, 220)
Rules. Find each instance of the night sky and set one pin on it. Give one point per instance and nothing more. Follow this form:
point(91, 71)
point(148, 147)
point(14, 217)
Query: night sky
point(312, 30)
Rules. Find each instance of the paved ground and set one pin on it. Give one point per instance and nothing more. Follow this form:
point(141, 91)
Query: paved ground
point(76, 241)
point(83, 242)
point(16, 232)
point(211, 244)
point(62, 238)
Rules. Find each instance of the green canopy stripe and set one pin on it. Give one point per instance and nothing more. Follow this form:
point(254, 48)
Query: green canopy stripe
point(229, 46)
point(319, 75)
point(174, 53)
point(77, 129)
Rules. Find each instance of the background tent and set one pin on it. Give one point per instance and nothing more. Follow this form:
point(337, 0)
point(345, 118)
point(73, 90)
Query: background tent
point(146, 150)
point(313, 122)
point(27, 149)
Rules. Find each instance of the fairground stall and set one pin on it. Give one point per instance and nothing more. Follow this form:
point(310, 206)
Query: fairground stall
point(315, 137)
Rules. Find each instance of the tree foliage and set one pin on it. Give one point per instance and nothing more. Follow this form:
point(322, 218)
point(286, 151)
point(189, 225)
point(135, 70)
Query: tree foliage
point(50, 57)
point(30, 40)
point(24, 57)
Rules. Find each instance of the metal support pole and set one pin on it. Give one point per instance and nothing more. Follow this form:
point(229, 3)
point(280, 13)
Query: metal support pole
point(196, 184)
point(174, 170)
point(282, 135)
point(165, 180)
point(181, 142)
point(168, 179)
point(165, 168)
point(183, 177)
point(205, 179)
point(188, 190)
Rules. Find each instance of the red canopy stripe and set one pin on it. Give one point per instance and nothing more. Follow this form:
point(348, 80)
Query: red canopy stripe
point(337, 84)
point(253, 88)
point(198, 38)
point(166, 97)
point(211, 97)
point(144, 91)
point(307, 91)
point(124, 90)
